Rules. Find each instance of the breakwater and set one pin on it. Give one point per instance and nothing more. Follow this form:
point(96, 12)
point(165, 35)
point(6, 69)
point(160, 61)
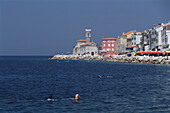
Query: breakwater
point(119, 58)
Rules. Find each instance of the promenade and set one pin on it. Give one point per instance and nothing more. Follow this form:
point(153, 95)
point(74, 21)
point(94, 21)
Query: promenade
point(119, 58)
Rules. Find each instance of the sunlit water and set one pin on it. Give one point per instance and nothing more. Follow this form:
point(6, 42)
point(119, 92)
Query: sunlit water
point(26, 83)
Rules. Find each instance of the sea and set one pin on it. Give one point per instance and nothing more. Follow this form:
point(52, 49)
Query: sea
point(26, 82)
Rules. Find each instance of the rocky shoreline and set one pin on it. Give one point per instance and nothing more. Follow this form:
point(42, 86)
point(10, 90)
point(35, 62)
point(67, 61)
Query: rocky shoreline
point(119, 58)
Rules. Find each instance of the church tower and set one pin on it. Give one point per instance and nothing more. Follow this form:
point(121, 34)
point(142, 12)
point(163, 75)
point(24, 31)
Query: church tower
point(88, 35)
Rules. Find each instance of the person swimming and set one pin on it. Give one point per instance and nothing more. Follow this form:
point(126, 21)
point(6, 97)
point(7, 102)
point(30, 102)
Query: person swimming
point(99, 76)
point(77, 96)
point(50, 98)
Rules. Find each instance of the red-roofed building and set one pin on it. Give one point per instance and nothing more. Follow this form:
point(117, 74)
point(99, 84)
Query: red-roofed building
point(86, 47)
point(108, 46)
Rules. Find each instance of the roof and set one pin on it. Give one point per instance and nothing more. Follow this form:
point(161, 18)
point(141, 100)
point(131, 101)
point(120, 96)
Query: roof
point(86, 44)
point(118, 38)
point(138, 32)
point(128, 33)
point(81, 40)
point(108, 38)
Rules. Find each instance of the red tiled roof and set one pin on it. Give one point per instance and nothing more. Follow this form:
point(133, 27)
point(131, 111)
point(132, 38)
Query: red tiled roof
point(138, 32)
point(128, 33)
point(85, 44)
point(118, 38)
point(81, 40)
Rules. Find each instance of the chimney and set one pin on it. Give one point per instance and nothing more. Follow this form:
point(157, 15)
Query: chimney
point(154, 26)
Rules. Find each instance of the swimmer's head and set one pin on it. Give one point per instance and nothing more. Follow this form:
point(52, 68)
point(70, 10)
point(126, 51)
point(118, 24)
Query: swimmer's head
point(77, 96)
point(50, 97)
point(100, 76)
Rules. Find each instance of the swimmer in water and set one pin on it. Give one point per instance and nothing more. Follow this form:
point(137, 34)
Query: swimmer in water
point(77, 96)
point(50, 98)
point(100, 76)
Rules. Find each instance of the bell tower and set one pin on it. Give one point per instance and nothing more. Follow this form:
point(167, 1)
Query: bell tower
point(88, 35)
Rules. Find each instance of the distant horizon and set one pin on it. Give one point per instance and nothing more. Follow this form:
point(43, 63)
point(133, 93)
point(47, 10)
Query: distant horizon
point(49, 27)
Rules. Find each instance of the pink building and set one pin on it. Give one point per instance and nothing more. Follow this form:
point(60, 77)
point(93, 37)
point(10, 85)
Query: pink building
point(108, 46)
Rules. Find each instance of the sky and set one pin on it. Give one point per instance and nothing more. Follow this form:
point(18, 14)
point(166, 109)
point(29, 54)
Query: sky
point(49, 27)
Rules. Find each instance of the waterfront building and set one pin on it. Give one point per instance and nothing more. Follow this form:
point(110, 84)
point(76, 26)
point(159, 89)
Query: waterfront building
point(156, 39)
point(136, 40)
point(86, 47)
point(123, 42)
point(145, 41)
point(160, 36)
point(126, 40)
point(149, 38)
point(129, 38)
point(153, 39)
point(118, 45)
point(108, 46)
point(166, 36)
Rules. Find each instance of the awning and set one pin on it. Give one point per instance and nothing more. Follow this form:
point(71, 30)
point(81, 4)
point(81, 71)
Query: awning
point(139, 53)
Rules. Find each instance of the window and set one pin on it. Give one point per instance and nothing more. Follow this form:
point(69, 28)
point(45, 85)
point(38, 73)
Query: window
point(112, 45)
point(108, 49)
point(112, 49)
point(109, 45)
point(112, 40)
point(108, 40)
point(104, 45)
point(104, 41)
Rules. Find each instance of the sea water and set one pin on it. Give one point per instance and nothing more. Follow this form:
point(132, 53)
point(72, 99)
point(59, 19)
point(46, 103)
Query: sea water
point(27, 82)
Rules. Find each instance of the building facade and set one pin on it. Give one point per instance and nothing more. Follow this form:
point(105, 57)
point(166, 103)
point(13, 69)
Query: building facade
point(108, 46)
point(118, 45)
point(86, 47)
point(157, 38)
point(166, 36)
point(136, 40)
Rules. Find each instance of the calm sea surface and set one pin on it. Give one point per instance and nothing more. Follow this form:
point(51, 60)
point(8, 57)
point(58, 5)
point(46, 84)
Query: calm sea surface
point(26, 83)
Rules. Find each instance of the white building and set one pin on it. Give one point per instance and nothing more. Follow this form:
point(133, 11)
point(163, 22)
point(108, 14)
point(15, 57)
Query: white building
point(160, 37)
point(86, 47)
point(165, 34)
point(157, 38)
point(136, 40)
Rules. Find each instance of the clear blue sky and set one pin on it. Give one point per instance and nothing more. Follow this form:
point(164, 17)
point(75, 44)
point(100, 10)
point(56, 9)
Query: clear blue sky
point(48, 27)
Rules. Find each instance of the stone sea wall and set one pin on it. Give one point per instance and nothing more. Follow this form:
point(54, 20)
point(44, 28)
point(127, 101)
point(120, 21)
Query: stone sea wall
point(119, 58)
